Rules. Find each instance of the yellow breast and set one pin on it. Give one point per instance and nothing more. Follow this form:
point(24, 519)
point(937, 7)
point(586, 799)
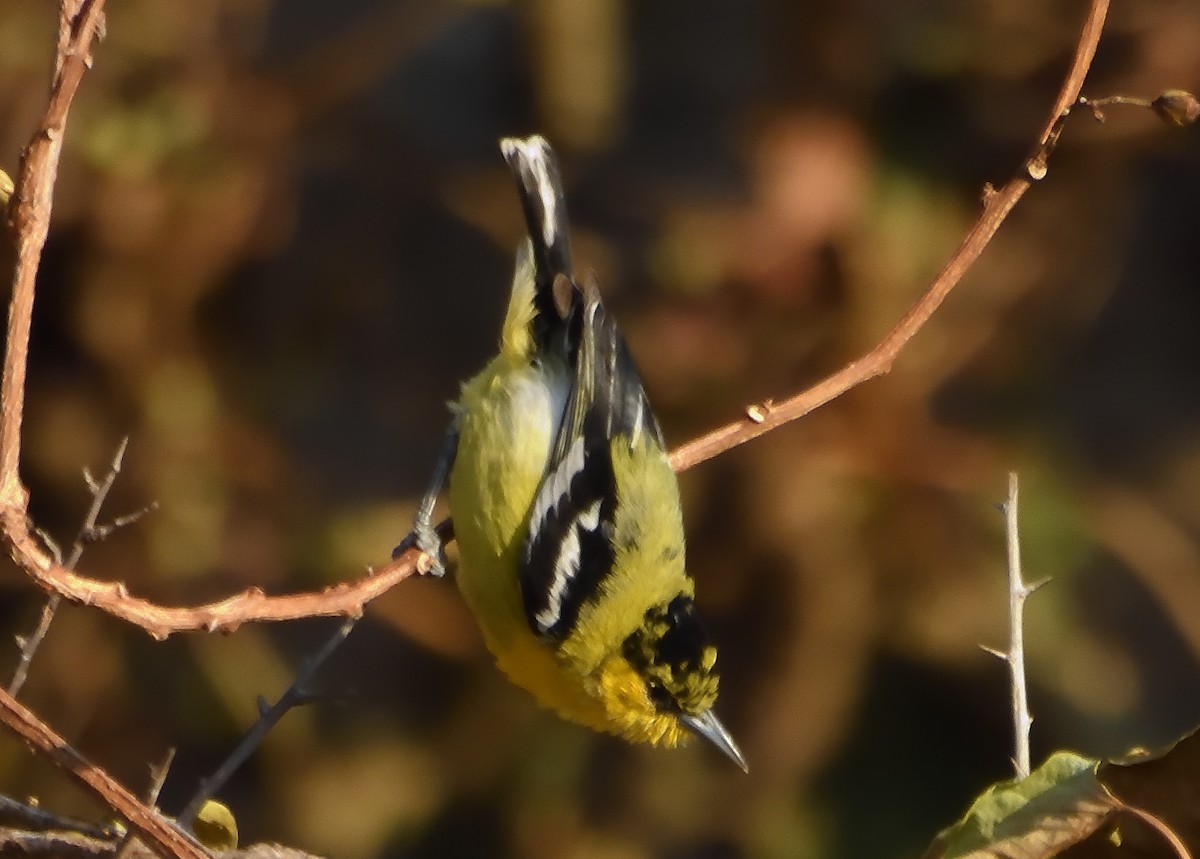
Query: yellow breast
point(508, 417)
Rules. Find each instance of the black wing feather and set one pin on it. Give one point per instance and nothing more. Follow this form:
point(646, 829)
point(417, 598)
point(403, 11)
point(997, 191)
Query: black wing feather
point(569, 551)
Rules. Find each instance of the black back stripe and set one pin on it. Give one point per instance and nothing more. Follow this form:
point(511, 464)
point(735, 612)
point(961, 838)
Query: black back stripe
point(556, 486)
point(617, 391)
point(567, 567)
point(566, 560)
point(569, 551)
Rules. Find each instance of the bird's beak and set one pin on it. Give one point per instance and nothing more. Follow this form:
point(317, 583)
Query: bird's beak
point(709, 726)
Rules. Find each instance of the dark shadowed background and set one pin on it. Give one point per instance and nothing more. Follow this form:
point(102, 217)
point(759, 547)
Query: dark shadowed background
point(283, 235)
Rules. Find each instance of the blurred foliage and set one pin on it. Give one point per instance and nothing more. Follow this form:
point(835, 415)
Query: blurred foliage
point(282, 236)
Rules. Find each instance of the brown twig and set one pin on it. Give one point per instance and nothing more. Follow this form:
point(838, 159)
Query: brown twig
point(345, 599)
point(879, 360)
point(89, 532)
point(161, 835)
point(29, 209)
point(1160, 826)
point(349, 598)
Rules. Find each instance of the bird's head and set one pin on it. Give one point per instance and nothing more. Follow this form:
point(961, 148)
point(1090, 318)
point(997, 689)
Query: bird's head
point(663, 682)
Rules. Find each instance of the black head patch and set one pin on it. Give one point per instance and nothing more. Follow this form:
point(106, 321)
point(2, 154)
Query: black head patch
point(670, 650)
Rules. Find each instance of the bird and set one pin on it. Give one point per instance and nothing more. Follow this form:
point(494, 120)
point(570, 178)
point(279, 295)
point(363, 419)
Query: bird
point(566, 509)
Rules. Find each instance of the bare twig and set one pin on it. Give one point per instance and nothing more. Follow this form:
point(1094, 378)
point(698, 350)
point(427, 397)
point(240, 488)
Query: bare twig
point(129, 845)
point(158, 777)
point(1161, 827)
point(345, 599)
point(349, 598)
point(72, 845)
point(54, 845)
point(879, 360)
point(1018, 592)
point(15, 814)
point(293, 696)
point(30, 210)
point(1175, 107)
point(29, 644)
point(161, 835)
point(1097, 105)
point(89, 532)
point(31, 207)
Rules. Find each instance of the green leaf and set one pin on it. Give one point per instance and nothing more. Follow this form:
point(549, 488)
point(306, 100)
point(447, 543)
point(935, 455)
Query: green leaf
point(1059, 804)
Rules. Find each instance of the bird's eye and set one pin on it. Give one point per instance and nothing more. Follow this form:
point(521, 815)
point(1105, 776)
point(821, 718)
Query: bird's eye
point(659, 696)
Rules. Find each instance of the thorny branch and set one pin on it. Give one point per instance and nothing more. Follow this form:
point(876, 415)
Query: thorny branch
point(1014, 656)
point(348, 598)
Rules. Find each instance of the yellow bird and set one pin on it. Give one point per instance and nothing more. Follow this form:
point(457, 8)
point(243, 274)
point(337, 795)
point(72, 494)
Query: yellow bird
point(565, 506)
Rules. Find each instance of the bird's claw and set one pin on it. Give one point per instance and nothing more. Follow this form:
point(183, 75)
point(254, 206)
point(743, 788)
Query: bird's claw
point(425, 539)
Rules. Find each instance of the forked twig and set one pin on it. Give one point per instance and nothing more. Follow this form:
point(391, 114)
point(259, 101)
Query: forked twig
point(89, 532)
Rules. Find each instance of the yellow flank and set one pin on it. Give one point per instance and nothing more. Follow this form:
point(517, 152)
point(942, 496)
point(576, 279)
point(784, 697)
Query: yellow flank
point(506, 425)
point(507, 418)
point(649, 567)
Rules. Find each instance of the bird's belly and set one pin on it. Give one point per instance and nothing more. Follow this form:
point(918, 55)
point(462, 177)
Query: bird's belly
point(507, 424)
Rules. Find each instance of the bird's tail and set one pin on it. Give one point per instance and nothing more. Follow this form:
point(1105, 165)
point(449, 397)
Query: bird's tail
point(539, 185)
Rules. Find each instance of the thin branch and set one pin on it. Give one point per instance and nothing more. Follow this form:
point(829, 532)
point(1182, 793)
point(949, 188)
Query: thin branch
point(28, 645)
point(68, 844)
point(345, 599)
point(1160, 826)
point(30, 209)
point(89, 532)
point(54, 845)
point(349, 598)
point(294, 696)
point(33, 197)
point(161, 835)
point(1175, 107)
point(1017, 593)
point(767, 416)
point(32, 818)
point(129, 845)
point(158, 777)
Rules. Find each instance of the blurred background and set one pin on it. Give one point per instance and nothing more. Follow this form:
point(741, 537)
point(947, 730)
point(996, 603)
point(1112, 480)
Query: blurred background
point(283, 235)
